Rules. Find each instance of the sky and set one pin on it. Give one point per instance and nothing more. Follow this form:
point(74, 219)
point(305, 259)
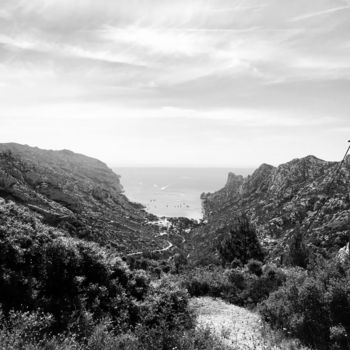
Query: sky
point(231, 83)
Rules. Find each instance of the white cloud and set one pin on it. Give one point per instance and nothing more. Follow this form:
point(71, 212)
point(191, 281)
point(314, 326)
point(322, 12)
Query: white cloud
point(159, 40)
point(225, 69)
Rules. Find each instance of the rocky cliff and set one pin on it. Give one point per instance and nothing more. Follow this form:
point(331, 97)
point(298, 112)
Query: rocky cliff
point(277, 199)
point(76, 193)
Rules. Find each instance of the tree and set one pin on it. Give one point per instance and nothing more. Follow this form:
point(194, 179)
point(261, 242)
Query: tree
point(238, 241)
point(180, 260)
point(298, 254)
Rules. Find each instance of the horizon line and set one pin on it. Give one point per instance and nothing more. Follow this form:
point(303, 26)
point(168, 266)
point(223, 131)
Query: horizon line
point(177, 166)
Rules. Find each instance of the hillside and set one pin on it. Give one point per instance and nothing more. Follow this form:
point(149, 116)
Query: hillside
point(82, 267)
point(279, 199)
point(72, 275)
point(78, 194)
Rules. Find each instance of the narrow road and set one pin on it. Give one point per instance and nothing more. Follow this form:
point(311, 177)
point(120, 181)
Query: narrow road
point(238, 328)
point(169, 246)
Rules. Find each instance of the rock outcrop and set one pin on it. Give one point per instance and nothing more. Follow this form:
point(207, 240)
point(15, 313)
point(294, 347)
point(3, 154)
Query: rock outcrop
point(276, 199)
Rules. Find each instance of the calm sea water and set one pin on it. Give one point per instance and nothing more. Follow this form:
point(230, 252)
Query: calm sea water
point(173, 191)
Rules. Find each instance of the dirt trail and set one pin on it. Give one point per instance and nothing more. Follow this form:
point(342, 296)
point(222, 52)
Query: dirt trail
point(237, 327)
point(169, 246)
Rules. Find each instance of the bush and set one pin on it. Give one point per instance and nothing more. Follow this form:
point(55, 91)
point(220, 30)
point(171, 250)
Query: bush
point(205, 281)
point(313, 307)
point(26, 330)
point(237, 286)
point(338, 338)
point(167, 306)
point(237, 278)
point(255, 267)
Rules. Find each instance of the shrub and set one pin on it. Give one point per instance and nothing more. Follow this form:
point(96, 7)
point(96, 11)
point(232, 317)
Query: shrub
point(236, 263)
point(236, 277)
point(26, 330)
point(338, 338)
point(255, 267)
point(167, 306)
point(205, 281)
point(237, 286)
point(313, 307)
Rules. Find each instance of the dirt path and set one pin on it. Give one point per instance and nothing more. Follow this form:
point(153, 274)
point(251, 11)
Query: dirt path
point(237, 327)
point(169, 246)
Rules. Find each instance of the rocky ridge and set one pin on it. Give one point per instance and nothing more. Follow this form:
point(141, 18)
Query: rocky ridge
point(277, 199)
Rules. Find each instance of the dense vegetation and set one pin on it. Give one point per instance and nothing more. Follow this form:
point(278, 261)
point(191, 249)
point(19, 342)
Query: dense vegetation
point(245, 286)
point(308, 299)
point(314, 306)
point(311, 304)
point(59, 292)
point(63, 293)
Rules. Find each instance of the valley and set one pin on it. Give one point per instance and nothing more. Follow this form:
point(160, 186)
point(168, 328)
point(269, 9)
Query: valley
point(74, 247)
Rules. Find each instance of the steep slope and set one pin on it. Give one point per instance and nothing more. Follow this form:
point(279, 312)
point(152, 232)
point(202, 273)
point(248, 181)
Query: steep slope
point(278, 199)
point(79, 194)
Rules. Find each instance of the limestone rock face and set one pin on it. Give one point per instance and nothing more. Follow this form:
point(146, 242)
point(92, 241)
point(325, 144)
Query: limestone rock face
point(73, 191)
point(234, 181)
point(277, 198)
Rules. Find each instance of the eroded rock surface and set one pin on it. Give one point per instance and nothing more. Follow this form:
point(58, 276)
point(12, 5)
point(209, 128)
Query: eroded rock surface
point(276, 199)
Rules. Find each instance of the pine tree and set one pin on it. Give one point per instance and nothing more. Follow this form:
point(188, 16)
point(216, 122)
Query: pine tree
point(238, 241)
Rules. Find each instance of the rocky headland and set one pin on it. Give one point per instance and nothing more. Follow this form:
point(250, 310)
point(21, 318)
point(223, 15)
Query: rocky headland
point(277, 200)
point(77, 194)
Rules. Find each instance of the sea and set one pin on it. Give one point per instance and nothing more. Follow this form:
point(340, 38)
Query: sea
point(173, 192)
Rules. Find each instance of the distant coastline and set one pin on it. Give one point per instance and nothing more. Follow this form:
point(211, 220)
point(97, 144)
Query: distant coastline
point(173, 191)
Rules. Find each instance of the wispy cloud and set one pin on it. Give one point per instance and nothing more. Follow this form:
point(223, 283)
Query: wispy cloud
point(158, 40)
point(320, 13)
point(223, 65)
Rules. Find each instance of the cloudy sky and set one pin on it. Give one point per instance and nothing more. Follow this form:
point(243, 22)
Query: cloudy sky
point(186, 82)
